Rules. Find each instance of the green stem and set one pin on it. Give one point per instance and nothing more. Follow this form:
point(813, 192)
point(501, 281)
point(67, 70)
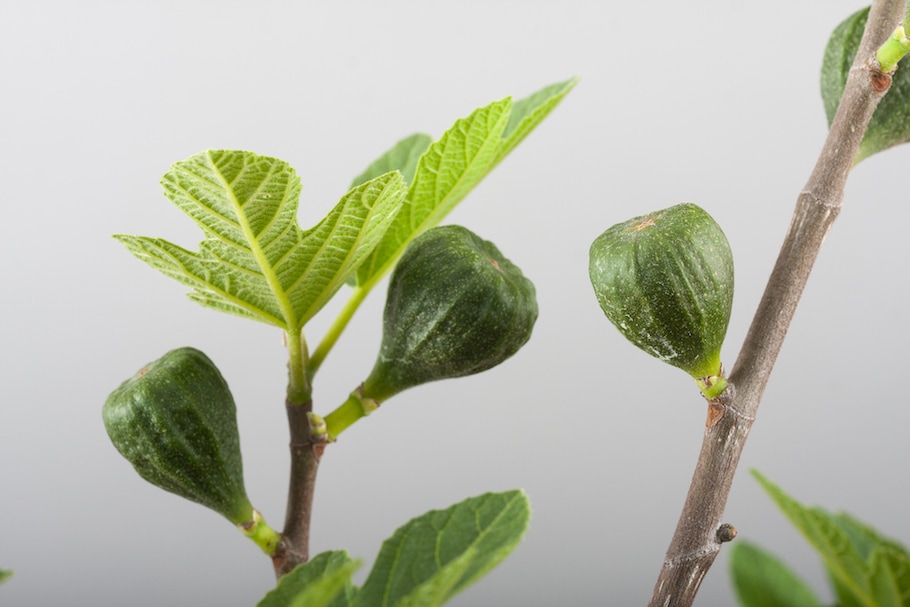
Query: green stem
point(712, 386)
point(351, 410)
point(893, 50)
point(262, 535)
point(338, 327)
point(299, 391)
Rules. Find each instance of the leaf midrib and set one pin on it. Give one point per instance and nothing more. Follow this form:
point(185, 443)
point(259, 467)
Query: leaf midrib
point(268, 272)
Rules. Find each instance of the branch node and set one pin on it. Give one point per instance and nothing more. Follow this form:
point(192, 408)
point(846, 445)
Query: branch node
point(740, 414)
point(818, 200)
point(689, 557)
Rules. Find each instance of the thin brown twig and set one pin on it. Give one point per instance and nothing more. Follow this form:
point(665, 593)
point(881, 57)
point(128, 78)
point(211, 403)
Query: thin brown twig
point(696, 542)
point(306, 452)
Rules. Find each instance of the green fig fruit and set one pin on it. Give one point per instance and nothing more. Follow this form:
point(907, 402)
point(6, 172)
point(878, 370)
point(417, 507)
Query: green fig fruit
point(175, 422)
point(455, 307)
point(666, 281)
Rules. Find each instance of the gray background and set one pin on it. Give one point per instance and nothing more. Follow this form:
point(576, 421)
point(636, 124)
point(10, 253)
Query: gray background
point(711, 102)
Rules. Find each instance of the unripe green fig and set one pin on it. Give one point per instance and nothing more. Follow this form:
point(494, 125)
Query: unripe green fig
point(455, 307)
point(666, 281)
point(175, 422)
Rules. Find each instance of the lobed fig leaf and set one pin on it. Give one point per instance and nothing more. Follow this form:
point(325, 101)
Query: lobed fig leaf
point(255, 260)
point(665, 280)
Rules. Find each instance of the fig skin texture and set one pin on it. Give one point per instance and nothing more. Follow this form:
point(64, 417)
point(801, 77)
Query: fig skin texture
point(455, 306)
point(175, 421)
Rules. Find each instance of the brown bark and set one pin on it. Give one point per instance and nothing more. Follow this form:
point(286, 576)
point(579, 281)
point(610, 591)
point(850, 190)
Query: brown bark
point(306, 452)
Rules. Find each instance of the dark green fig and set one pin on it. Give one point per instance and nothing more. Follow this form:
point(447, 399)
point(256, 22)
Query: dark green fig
point(175, 421)
point(455, 307)
point(666, 281)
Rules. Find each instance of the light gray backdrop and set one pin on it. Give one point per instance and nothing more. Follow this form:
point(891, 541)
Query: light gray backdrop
point(711, 102)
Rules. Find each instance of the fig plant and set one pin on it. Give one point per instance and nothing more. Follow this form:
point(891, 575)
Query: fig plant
point(665, 280)
point(456, 306)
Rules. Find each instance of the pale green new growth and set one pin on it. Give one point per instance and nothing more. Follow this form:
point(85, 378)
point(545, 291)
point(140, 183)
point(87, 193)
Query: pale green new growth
point(255, 260)
point(445, 174)
point(456, 163)
point(893, 50)
point(402, 157)
point(5, 575)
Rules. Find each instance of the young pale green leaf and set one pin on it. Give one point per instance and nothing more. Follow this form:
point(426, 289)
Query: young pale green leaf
point(418, 564)
point(452, 166)
point(255, 260)
point(890, 576)
point(402, 157)
point(445, 174)
point(890, 125)
point(5, 575)
point(838, 552)
point(762, 580)
point(324, 581)
point(527, 113)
